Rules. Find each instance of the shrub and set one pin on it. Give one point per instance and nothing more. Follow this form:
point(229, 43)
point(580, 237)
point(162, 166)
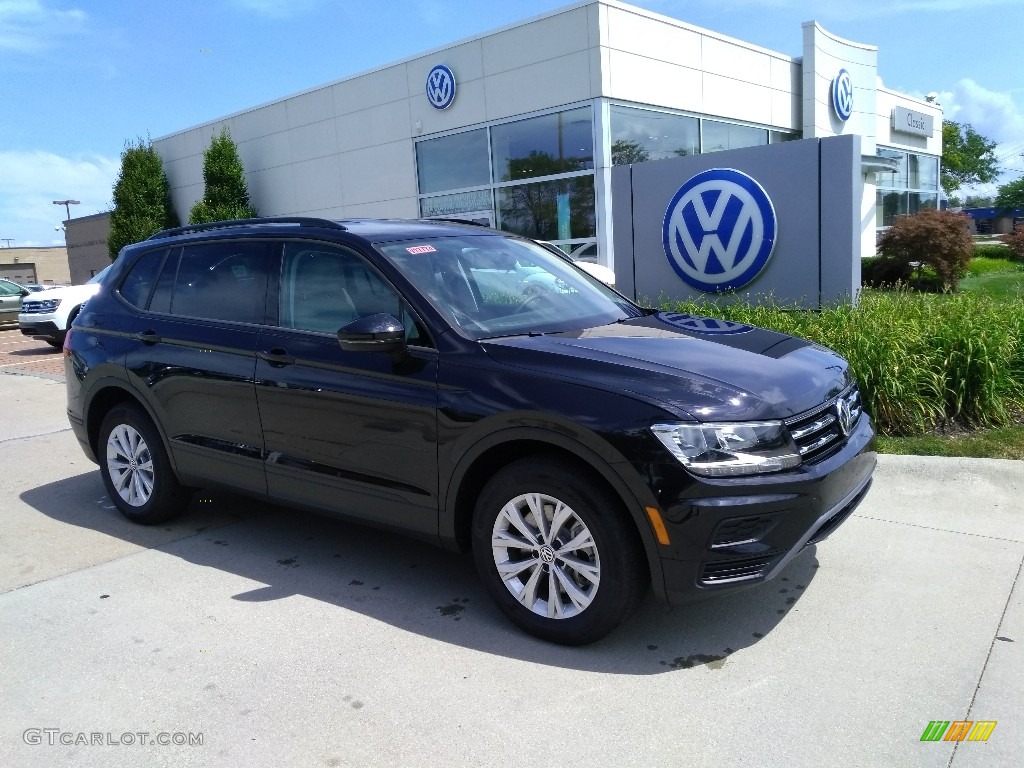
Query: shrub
point(883, 271)
point(922, 360)
point(990, 251)
point(1015, 241)
point(142, 198)
point(939, 239)
point(225, 194)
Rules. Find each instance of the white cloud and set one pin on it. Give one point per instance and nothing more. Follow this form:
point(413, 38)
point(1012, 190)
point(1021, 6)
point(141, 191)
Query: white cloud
point(33, 180)
point(27, 26)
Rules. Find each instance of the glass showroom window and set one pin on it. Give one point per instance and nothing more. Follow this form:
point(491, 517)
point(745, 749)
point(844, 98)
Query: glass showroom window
point(911, 188)
point(560, 209)
point(720, 136)
point(642, 134)
point(923, 172)
point(453, 162)
point(562, 142)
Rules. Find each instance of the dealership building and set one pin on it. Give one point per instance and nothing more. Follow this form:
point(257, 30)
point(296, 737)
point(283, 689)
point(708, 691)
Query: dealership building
point(521, 127)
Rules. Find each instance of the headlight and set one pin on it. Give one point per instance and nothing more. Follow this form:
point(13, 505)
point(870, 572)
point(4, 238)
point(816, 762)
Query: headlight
point(727, 450)
point(49, 305)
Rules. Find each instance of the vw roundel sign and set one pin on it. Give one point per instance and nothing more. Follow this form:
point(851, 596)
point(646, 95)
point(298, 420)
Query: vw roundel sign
point(842, 95)
point(719, 230)
point(441, 87)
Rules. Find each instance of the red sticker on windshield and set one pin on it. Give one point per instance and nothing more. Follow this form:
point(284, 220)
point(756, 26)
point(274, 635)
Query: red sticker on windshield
point(422, 249)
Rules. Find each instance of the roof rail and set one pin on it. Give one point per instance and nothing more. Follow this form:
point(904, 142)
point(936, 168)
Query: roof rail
point(305, 221)
point(454, 220)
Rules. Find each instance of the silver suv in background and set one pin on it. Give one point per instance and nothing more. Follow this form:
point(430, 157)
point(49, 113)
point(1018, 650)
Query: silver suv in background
point(11, 294)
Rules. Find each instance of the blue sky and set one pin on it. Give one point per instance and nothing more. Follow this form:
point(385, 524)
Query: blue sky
point(78, 78)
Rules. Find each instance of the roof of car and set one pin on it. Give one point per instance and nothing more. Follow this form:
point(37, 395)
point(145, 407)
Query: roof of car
point(376, 230)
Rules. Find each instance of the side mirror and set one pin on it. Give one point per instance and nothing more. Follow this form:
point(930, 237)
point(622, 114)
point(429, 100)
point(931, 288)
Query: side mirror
point(25, 292)
point(374, 333)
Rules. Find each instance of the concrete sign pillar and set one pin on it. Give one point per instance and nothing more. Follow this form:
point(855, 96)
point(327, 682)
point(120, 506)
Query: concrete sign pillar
point(780, 220)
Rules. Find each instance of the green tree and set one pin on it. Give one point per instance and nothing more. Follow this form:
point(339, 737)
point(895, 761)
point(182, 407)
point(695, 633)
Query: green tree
point(979, 201)
point(967, 157)
point(225, 194)
point(626, 152)
point(142, 198)
point(1011, 195)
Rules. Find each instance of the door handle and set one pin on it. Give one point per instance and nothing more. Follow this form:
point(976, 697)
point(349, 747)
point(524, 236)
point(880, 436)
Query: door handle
point(276, 357)
point(147, 337)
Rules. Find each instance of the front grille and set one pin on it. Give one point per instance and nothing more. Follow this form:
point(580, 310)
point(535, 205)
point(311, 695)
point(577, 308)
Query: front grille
point(728, 571)
point(821, 431)
point(35, 308)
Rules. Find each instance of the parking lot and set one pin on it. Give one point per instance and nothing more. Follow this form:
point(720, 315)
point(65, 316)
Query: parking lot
point(280, 638)
point(21, 355)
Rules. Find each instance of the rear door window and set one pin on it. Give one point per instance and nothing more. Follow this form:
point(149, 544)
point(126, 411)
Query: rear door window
point(225, 280)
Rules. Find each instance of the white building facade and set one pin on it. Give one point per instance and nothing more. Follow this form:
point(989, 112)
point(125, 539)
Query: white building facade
point(519, 128)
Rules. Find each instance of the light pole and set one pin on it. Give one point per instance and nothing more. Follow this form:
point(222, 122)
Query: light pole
point(67, 206)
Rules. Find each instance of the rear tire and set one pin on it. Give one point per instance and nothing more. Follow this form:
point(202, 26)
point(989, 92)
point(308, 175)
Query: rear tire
point(135, 468)
point(557, 553)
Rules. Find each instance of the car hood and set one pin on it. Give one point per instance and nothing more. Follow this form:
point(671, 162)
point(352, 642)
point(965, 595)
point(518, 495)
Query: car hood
point(65, 292)
point(693, 366)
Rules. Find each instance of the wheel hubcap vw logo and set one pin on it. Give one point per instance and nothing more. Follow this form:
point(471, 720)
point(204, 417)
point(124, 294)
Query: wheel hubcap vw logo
point(842, 95)
point(547, 554)
point(441, 87)
point(719, 230)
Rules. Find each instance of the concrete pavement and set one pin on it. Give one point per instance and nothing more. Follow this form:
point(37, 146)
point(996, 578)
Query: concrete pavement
point(287, 639)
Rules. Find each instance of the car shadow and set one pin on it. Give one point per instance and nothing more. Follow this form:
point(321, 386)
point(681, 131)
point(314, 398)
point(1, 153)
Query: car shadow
point(45, 350)
point(417, 587)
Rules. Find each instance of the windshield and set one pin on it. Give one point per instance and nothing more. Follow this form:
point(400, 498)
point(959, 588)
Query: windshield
point(98, 277)
point(490, 285)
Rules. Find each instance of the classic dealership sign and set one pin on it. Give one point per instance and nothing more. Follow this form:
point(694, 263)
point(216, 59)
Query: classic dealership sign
point(907, 121)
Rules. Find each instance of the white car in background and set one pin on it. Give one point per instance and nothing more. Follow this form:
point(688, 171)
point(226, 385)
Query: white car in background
point(585, 257)
point(48, 314)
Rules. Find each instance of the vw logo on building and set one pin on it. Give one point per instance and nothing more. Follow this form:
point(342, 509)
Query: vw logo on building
point(719, 230)
point(842, 95)
point(441, 87)
point(705, 325)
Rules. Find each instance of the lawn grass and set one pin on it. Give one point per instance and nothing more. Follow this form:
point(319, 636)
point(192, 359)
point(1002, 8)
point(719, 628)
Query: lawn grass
point(997, 284)
point(1000, 443)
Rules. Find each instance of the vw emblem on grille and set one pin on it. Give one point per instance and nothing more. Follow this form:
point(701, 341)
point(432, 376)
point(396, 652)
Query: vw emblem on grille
point(705, 325)
point(719, 230)
point(441, 87)
point(845, 415)
point(842, 95)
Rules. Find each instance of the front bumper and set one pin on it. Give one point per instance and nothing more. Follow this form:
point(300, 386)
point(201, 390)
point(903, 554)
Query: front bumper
point(39, 326)
point(728, 536)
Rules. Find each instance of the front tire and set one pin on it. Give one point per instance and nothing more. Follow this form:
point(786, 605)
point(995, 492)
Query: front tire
point(135, 468)
point(557, 553)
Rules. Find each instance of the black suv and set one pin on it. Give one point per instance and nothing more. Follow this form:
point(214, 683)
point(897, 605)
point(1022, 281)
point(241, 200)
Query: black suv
point(471, 388)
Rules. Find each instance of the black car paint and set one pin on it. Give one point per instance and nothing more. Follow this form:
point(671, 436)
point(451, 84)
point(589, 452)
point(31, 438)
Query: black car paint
point(593, 393)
